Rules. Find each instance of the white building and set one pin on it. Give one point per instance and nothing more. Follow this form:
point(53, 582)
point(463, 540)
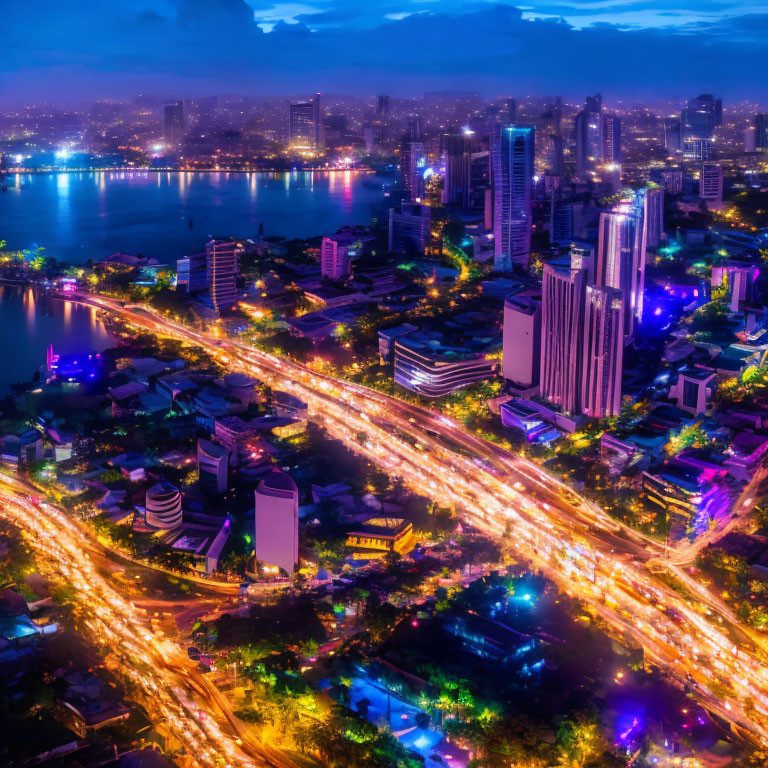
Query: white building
point(276, 513)
point(163, 505)
point(212, 466)
point(522, 341)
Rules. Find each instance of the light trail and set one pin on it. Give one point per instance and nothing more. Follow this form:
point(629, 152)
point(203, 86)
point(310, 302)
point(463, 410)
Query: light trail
point(613, 570)
point(174, 693)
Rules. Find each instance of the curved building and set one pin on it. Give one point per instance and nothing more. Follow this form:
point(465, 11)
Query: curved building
point(276, 521)
point(434, 370)
point(163, 505)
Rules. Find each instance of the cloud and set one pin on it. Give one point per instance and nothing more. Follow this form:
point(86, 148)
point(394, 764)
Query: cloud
point(193, 47)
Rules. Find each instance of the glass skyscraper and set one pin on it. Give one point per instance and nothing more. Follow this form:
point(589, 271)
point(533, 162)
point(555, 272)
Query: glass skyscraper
point(512, 157)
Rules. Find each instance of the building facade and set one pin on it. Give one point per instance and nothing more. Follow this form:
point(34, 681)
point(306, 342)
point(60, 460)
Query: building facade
point(512, 162)
point(163, 506)
point(276, 521)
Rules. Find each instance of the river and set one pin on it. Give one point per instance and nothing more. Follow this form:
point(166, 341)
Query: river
point(165, 215)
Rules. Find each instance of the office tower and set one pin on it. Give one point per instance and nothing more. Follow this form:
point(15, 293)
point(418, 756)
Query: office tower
point(521, 356)
point(174, 122)
point(415, 130)
point(409, 229)
point(700, 116)
point(221, 258)
point(603, 352)
point(697, 150)
point(610, 137)
point(589, 143)
point(512, 158)
point(673, 140)
point(562, 321)
point(305, 125)
point(711, 184)
point(163, 506)
point(412, 165)
point(654, 216)
point(621, 256)
point(457, 183)
point(191, 274)
point(761, 132)
point(382, 105)
point(276, 522)
point(212, 466)
point(336, 254)
point(560, 220)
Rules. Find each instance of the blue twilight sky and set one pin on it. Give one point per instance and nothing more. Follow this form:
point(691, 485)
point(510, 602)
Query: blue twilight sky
point(72, 49)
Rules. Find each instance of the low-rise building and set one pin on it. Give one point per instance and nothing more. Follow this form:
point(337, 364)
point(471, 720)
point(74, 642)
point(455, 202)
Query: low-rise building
point(379, 535)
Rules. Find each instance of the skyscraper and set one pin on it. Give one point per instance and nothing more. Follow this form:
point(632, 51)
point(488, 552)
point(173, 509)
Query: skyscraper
point(276, 522)
point(412, 165)
point(621, 255)
point(382, 105)
point(610, 139)
point(654, 216)
point(305, 125)
point(562, 321)
point(700, 116)
point(589, 143)
point(221, 269)
point(602, 352)
point(761, 131)
point(512, 165)
point(711, 184)
point(174, 122)
point(457, 184)
point(522, 341)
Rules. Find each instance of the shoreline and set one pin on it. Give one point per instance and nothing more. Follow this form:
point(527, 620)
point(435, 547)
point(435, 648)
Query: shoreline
point(44, 171)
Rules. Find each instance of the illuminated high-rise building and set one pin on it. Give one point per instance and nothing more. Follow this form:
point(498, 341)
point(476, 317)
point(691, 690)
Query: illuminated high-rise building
point(610, 138)
point(700, 116)
point(654, 216)
point(621, 255)
point(221, 269)
point(413, 163)
point(602, 352)
point(174, 122)
point(457, 183)
point(563, 293)
point(305, 125)
point(512, 166)
point(589, 139)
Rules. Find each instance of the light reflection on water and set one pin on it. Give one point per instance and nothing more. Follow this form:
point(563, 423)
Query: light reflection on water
point(167, 215)
point(30, 321)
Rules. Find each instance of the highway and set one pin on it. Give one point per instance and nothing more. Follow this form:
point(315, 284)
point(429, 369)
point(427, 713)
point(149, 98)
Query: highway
point(177, 697)
point(622, 577)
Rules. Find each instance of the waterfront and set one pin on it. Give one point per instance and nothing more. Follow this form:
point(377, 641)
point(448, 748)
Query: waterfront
point(30, 321)
point(164, 215)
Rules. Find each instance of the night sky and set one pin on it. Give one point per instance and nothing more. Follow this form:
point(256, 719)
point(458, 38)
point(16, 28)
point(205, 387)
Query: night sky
point(72, 49)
